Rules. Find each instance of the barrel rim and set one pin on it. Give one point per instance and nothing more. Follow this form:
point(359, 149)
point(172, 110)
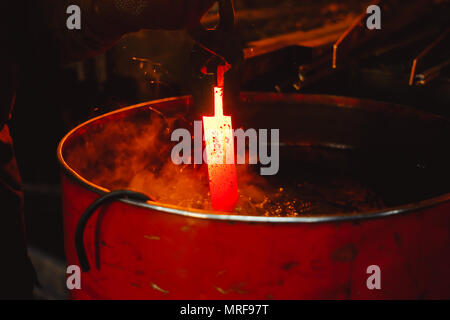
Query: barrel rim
point(205, 214)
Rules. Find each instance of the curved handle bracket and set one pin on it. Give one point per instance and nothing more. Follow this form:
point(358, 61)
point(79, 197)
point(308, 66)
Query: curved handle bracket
point(79, 232)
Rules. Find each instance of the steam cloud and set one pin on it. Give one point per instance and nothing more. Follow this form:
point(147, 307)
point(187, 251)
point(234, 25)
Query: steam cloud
point(134, 154)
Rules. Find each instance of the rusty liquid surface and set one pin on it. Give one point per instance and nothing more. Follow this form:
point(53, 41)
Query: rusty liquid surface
point(135, 155)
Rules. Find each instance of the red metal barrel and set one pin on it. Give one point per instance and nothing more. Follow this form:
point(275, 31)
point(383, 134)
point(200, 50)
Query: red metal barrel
point(156, 251)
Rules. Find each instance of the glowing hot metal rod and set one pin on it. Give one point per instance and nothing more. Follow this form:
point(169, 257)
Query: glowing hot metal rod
point(220, 43)
point(220, 156)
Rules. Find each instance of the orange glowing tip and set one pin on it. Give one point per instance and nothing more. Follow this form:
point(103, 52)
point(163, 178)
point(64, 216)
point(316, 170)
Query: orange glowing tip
point(220, 156)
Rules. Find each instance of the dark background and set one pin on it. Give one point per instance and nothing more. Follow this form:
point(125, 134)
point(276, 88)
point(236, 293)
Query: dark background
point(155, 64)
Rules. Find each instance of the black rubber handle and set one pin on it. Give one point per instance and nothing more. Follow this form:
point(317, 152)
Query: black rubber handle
point(79, 232)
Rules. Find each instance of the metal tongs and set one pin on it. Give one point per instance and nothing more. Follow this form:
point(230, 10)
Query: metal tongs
point(219, 48)
point(221, 42)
